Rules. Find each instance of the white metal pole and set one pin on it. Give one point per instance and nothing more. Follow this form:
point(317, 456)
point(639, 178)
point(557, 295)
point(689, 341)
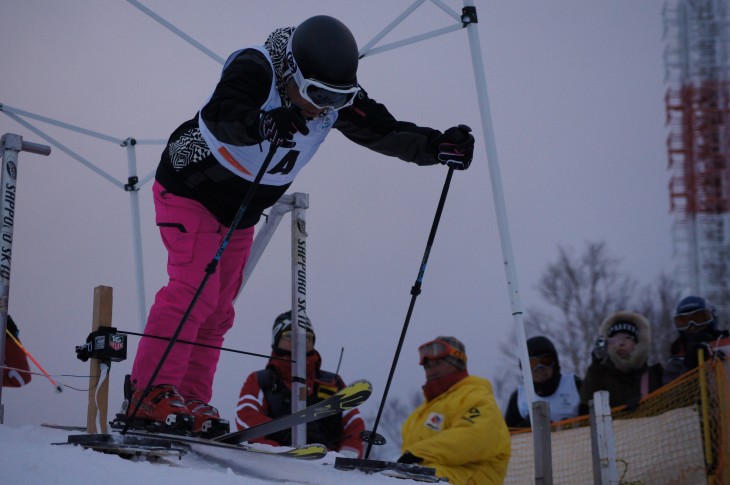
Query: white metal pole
point(366, 48)
point(299, 314)
point(498, 196)
point(11, 145)
point(603, 442)
point(133, 188)
point(264, 233)
point(62, 147)
point(178, 32)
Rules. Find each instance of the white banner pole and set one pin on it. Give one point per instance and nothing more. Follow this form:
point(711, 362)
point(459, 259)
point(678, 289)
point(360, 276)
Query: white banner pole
point(299, 314)
point(11, 145)
point(132, 187)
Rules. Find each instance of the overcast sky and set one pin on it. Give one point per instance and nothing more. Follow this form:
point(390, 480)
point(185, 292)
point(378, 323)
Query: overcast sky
point(576, 91)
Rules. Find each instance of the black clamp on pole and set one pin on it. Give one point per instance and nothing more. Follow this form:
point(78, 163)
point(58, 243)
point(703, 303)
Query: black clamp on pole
point(469, 15)
point(131, 185)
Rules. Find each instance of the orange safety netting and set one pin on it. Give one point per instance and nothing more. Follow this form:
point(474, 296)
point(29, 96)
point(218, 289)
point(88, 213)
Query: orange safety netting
point(678, 434)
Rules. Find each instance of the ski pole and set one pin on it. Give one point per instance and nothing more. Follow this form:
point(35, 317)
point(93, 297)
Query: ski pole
point(339, 362)
point(56, 385)
point(209, 270)
point(372, 437)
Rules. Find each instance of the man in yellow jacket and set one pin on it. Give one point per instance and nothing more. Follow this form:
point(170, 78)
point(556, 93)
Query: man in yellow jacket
point(459, 429)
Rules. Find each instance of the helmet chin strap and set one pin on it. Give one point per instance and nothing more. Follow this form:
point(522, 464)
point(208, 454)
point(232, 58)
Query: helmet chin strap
point(285, 99)
point(286, 72)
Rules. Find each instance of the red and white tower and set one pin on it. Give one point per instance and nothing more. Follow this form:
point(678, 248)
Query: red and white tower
point(698, 143)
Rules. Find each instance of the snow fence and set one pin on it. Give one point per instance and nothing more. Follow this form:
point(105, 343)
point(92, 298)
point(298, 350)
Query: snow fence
point(677, 435)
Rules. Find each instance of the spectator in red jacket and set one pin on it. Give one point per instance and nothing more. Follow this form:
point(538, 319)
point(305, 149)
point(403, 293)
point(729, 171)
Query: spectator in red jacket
point(266, 394)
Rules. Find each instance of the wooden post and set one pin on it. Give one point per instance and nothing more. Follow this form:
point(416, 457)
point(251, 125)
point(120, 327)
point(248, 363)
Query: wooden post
point(541, 443)
point(98, 403)
point(602, 440)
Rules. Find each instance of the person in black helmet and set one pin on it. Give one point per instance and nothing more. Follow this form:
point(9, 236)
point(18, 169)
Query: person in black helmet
point(287, 93)
point(561, 390)
point(696, 321)
point(266, 394)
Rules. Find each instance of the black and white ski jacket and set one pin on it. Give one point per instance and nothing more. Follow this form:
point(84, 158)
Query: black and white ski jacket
point(213, 157)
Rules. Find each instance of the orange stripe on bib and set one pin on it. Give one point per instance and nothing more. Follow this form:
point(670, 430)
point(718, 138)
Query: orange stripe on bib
point(227, 155)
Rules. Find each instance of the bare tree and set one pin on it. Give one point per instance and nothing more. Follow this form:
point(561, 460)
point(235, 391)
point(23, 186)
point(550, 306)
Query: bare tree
point(657, 303)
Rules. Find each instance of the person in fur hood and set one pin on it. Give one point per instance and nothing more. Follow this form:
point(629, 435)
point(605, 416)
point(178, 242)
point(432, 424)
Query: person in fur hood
point(620, 362)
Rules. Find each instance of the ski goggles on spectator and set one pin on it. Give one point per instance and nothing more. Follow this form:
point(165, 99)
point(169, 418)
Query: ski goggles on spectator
point(438, 349)
point(698, 318)
point(545, 360)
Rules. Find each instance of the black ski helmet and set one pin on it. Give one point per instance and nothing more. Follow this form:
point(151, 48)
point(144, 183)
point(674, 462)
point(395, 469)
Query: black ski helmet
point(283, 324)
point(691, 304)
point(324, 49)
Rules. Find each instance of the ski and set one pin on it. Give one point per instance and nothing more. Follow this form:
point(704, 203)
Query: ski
point(130, 447)
point(398, 470)
point(346, 398)
point(154, 445)
point(64, 427)
point(313, 451)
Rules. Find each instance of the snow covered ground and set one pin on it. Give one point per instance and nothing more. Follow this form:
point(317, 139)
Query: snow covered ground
point(27, 457)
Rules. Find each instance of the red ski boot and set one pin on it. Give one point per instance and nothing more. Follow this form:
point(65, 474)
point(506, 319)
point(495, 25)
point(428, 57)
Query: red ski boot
point(208, 422)
point(162, 410)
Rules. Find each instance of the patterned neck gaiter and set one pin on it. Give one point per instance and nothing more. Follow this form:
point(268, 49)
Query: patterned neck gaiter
point(276, 45)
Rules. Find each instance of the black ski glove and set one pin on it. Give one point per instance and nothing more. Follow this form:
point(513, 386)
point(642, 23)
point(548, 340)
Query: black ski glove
point(698, 340)
point(692, 357)
point(280, 124)
point(409, 458)
point(455, 147)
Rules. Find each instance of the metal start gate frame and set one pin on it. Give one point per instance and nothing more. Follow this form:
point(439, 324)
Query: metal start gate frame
point(464, 20)
point(296, 203)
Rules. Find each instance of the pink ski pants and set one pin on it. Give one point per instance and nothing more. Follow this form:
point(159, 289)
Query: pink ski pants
point(192, 236)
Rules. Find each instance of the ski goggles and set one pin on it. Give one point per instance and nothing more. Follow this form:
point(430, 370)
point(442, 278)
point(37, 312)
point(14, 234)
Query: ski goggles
point(438, 349)
point(322, 95)
point(544, 360)
point(698, 318)
point(318, 93)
